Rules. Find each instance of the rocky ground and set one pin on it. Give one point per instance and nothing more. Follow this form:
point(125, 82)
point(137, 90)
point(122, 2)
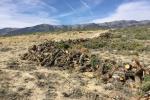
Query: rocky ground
point(28, 80)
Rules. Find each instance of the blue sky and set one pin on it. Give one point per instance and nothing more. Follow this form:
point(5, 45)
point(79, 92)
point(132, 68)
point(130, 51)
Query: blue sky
point(23, 13)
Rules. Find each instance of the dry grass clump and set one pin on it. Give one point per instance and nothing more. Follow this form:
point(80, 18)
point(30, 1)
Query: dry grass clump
point(49, 36)
point(5, 49)
point(15, 64)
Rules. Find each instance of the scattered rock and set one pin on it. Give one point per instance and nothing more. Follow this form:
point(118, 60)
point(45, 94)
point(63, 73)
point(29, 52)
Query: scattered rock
point(109, 86)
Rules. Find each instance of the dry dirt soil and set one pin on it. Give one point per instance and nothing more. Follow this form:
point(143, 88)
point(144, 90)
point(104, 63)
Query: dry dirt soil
point(24, 80)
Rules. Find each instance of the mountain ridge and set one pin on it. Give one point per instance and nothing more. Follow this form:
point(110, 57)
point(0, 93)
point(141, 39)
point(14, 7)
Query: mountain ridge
point(90, 26)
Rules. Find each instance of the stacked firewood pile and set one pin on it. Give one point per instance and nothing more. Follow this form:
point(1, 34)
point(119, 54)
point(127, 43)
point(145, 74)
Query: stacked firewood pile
point(131, 71)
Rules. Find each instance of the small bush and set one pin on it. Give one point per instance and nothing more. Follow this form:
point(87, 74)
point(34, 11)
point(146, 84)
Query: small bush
point(119, 44)
point(146, 86)
point(142, 36)
point(147, 78)
point(94, 61)
point(107, 65)
point(63, 45)
point(126, 45)
point(140, 33)
point(96, 43)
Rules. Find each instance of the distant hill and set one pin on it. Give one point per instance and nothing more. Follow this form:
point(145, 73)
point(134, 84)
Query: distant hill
point(5, 31)
point(90, 26)
point(124, 23)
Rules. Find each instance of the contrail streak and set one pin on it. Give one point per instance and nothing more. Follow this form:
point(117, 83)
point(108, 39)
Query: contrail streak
point(70, 6)
point(87, 6)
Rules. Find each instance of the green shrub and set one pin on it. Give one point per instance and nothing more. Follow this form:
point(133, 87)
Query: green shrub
point(96, 43)
point(146, 86)
point(91, 45)
point(63, 45)
point(147, 78)
point(94, 61)
point(140, 33)
point(126, 45)
point(146, 83)
point(142, 36)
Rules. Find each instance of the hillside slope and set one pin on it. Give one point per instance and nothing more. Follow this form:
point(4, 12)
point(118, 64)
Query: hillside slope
point(62, 28)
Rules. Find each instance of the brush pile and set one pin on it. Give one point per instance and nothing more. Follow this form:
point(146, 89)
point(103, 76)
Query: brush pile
point(58, 54)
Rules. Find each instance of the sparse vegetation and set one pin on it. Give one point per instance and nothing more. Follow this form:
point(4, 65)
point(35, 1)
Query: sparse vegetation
point(27, 79)
point(147, 78)
point(95, 61)
point(115, 44)
point(96, 44)
point(146, 84)
point(140, 33)
point(126, 45)
point(63, 45)
point(5, 49)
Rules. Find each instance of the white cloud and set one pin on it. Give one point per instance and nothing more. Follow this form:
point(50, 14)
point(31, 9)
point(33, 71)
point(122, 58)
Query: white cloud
point(16, 13)
point(136, 10)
